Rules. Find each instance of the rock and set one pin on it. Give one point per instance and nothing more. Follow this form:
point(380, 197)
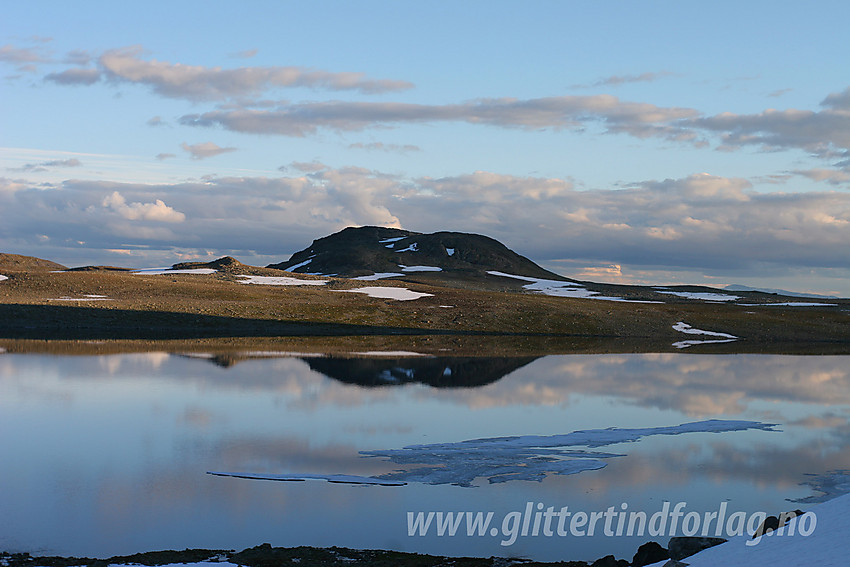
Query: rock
point(649, 553)
point(609, 561)
point(681, 546)
point(773, 523)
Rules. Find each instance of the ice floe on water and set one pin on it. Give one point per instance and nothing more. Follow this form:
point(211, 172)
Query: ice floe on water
point(830, 485)
point(504, 459)
point(557, 288)
point(336, 478)
point(278, 280)
point(683, 327)
point(703, 296)
point(398, 293)
point(170, 271)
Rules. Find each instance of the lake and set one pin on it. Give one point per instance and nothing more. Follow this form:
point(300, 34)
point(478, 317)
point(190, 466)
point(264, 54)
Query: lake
point(107, 455)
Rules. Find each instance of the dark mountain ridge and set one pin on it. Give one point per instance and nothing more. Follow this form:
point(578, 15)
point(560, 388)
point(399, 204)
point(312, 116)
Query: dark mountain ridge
point(363, 251)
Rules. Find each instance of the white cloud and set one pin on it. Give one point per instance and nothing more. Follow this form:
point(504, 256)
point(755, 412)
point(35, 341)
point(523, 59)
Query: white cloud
point(75, 76)
point(701, 222)
point(195, 82)
point(204, 150)
point(156, 211)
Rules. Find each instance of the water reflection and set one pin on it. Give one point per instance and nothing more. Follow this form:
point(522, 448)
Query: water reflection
point(110, 452)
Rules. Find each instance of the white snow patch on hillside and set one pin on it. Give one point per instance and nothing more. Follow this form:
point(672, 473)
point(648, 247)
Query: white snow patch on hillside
point(706, 296)
point(378, 276)
point(2, 277)
point(557, 288)
point(450, 251)
point(279, 280)
point(169, 271)
point(420, 268)
point(398, 293)
point(387, 240)
point(412, 248)
point(300, 265)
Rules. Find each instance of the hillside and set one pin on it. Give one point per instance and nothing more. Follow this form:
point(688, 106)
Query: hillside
point(17, 263)
point(370, 250)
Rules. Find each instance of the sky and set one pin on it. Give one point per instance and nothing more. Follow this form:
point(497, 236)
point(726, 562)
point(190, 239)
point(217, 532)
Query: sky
point(626, 142)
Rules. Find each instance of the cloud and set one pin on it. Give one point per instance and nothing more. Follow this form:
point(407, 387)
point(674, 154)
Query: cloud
point(702, 222)
point(156, 121)
point(824, 133)
point(831, 176)
point(76, 76)
point(205, 149)
point(381, 147)
point(20, 55)
point(156, 211)
point(246, 54)
point(44, 165)
point(616, 80)
point(566, 112)
point(196, 83)
point(165, 156)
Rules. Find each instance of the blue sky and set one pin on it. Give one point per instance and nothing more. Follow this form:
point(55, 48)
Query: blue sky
point(654, 142)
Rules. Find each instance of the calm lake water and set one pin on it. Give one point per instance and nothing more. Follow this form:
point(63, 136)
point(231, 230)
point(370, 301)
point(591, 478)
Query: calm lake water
point(107, 455)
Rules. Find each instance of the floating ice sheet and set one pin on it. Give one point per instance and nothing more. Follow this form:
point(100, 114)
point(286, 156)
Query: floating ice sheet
point(503, 459)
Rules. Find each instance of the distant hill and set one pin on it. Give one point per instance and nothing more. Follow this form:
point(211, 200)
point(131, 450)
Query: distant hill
point(363, 251)
point(16, 262)
point(739, 287)
point(225, 264)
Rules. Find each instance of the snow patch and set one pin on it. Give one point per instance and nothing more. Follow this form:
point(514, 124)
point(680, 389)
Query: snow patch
point(169, 271)
point(396, 239)
point(683, 327)
point(83, 298)
point(398, 293)
point(390, 353)
point(301, 265)
point(702, 296)
point(412, 248)
point(420, 268)
point(378, 276)
point(279, 280)
point(788, 304)
point(450, 251)
point(557, 288)
point(825, 545)
point(2, 277)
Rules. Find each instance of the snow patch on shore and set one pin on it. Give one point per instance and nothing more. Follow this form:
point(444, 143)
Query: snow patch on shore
point(683, 327)
point(557, 288)
point(2, 277)
point(704, 296)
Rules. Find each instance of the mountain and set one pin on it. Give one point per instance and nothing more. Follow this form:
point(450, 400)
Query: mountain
point(368, 250)
point(739, 287)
